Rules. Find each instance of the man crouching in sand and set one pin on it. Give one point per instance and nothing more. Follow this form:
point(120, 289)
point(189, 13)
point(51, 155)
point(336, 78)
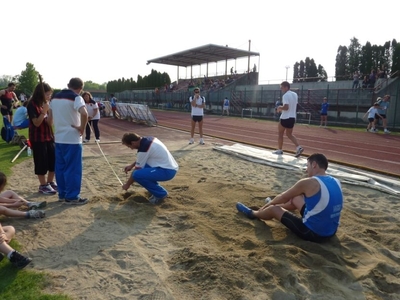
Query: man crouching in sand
point(153, 163)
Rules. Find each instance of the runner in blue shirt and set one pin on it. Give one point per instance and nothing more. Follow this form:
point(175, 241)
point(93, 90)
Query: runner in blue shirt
point(324, 112)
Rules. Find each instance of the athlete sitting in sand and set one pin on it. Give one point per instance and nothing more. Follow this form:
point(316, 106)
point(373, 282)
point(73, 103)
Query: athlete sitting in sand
point(10, 199)
point(319, 199)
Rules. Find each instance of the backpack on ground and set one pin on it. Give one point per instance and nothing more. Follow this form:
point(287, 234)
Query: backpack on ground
point(7, 132)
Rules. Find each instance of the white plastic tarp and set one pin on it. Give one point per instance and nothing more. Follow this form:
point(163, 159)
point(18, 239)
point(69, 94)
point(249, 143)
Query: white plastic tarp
point(344, 174)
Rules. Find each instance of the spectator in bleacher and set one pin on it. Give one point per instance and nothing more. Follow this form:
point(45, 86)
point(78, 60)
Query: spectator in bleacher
point(365, 82)
point(197, 103)
point(381, 75)
point(356, 80)
point(324, 112)
point(372, 79)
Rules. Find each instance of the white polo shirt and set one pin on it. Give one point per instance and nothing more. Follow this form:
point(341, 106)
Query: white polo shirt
point(290, 98)
point(65, 108)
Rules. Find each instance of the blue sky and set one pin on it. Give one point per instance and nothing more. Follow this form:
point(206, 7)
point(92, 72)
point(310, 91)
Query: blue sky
point(102, 41)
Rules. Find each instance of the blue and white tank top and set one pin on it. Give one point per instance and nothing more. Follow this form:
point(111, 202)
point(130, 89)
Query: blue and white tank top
point(322, 210)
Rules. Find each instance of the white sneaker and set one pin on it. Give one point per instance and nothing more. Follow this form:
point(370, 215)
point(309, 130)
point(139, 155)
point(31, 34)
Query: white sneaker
point(85, 141)
point(299, 151)
point(191, 141)
point(279, 152)
point(386, 131)
point(97, 141)
point(201, 142)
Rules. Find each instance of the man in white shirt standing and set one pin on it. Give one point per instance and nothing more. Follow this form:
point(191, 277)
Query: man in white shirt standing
point(70, 118)
point(197, 103)
point(287, 120)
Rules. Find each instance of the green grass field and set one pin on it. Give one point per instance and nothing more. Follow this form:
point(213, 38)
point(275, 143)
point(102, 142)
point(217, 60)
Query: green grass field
point(26, 284)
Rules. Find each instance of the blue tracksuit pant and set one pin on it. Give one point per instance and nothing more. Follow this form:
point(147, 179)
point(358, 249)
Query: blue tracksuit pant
point(148, 178)
point(68, 170)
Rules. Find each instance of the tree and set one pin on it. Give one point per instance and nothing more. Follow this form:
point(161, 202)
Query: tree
point(396, 61)
point(6, 79)
point(322, 75)
point(301, 70)
point(151, 81)
point(341, 66)
point(311, 70)
point(308, 71)
point(296, 72)
point(366, 64)
point(28, 79)
point(90, 85)
point(354, 53)
point(392, 59)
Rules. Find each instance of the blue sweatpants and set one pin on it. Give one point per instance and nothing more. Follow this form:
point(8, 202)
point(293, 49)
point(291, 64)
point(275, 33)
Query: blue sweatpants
point(69, 170)
point(148, 178)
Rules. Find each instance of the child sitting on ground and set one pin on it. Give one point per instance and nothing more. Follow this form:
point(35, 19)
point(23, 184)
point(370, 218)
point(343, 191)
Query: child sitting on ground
point(10, 199)
point(18, 260)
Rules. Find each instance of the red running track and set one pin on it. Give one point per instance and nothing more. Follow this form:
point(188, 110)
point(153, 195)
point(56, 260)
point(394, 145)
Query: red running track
point(375, 152)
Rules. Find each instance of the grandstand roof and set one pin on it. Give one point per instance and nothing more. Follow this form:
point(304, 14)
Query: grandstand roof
point(202, 55)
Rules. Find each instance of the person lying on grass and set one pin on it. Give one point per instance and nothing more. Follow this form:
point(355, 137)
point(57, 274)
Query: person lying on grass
point(10, 200)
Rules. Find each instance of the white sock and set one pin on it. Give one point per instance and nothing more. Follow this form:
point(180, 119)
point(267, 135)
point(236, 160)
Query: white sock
point(10, 253)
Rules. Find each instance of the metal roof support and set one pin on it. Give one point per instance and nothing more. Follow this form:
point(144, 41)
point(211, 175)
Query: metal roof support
point(226, 68)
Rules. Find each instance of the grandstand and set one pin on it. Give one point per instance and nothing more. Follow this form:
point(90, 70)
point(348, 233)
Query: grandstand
point(347, 107)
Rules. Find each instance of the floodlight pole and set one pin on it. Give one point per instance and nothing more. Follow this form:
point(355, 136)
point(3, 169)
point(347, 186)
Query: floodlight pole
point(287, 68)
point(248, 61)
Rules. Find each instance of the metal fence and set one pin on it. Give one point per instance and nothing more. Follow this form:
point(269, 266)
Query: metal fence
point(347, 106)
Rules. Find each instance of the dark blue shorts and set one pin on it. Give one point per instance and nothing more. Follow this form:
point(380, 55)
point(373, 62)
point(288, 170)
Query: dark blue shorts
point(288, 123)
point(197, 118)
point(296, 225)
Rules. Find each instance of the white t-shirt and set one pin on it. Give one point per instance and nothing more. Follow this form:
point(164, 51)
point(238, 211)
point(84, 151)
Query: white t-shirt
point(20, 115)
point(65, 108)
point(372, 111)
point(154, 153)
point(90, 107)
point(198, 111)
point(289, 98)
